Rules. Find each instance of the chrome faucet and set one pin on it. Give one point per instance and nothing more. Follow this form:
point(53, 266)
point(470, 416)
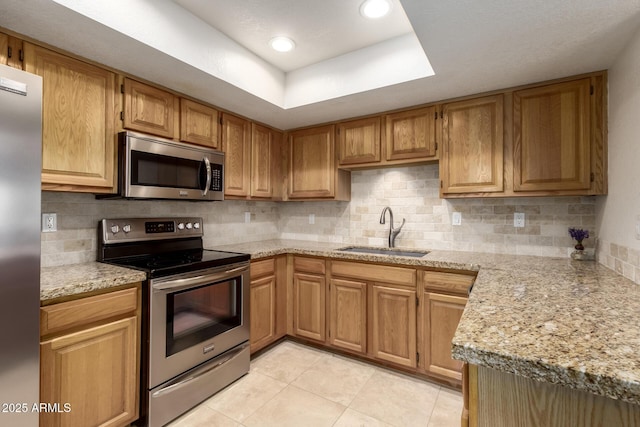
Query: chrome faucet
point(393, 232)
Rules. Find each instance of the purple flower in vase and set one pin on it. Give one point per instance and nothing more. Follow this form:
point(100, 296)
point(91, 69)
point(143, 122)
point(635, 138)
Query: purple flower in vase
point(579, 235)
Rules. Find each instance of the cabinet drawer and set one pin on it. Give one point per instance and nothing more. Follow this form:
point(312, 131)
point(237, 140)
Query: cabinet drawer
point(375, 273)
point(262, 268)
point(311, 265)
point(447, 282)
point(67, 315)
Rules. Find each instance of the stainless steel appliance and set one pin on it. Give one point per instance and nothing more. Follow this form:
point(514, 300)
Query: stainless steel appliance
point(155, 168)
point(195, 311)
point(20, 166)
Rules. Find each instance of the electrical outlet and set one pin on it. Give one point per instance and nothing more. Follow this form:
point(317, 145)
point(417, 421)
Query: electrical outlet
point(456, 218)
point(312, 218)
point(247, 217)
point(518, 219)
point(49, 222)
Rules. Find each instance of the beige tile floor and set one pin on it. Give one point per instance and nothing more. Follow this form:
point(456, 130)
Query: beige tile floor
point(294, 385)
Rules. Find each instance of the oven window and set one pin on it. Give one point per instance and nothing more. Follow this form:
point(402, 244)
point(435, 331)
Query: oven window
point(196, 315)
point(155, 170)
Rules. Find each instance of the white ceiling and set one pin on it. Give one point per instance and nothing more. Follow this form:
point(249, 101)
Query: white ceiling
point(472, 46)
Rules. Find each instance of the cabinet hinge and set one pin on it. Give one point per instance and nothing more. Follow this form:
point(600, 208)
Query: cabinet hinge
point(417, 301)
point(591, 90)
point(436, 115)
point(436, 146)
point(9, 51)
point(440, 183)
point(121, 115)
point(418, 357)
point(441, 114)
point(121, 88)
point(21, 55)
point(220, 121)
point(592, 176)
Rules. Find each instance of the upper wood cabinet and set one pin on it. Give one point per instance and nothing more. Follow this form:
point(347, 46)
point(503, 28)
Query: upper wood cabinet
point(149, 109)
point(313, 172)
point(411, 134)
point(359, 141)
point(199, 124)
point(236, 144)
point(264, 161)
point(471, 159)
point(11, 52)
point(78, 122)
point(552, 137)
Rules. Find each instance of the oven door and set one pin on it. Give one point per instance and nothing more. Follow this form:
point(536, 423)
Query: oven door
point(195, 317)
point(156, 168)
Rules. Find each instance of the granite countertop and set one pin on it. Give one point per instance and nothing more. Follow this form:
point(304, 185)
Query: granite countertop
point(573, 323)
point(69, 280)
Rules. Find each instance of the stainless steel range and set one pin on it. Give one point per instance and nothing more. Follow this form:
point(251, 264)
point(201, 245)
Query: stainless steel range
point(195, 327)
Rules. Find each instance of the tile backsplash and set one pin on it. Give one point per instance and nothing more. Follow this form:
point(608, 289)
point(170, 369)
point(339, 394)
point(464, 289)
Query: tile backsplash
point(621, 259)
point(411, 192)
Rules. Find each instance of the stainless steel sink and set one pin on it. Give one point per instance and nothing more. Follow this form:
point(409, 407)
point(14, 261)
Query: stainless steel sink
point(385, 251)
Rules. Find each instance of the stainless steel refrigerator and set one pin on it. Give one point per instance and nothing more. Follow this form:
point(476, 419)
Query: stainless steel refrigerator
point(20, 165)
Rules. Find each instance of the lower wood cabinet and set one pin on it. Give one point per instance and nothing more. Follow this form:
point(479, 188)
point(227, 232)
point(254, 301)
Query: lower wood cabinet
point(267, 302)
point(309, 298)
point(348, 315)
point(393, 326)
point(89, 359)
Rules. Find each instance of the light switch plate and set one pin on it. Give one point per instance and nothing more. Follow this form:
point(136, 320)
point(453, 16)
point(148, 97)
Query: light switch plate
point(456, 218)
point(247, 217)
point(518, 219)
point(312, 218)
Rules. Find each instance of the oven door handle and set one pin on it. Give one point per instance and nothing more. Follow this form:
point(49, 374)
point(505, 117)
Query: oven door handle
point(182, 381)
point(178, 284)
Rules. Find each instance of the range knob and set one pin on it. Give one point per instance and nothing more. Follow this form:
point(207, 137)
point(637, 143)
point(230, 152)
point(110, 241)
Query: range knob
point(126, 228)
point(196, 225)
point(181, 226)
point(115, 229)
point(189, 226)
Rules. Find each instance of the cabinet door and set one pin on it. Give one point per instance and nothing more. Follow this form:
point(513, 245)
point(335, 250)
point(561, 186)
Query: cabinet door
point(552, 137)
point(359, 142)
point(393, 321)
point(199, 124)
point(348, 315)
point(312, 167)
point(149, 109)
point(472, 153)
point(263, 312)
point(262, 156)
point(309, 306)
point(236, 140)
point(93, 370)
point(411, 134)
point(441, 315)
point(78, 123)
point(10, 51)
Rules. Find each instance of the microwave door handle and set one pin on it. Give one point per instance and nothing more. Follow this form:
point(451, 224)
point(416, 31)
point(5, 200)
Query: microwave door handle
point(207, 166)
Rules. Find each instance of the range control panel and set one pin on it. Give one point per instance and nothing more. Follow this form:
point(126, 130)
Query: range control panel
point(140, 229)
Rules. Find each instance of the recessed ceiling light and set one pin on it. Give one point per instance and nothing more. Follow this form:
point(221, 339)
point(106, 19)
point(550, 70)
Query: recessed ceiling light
point(374, 9)
point(282, 44)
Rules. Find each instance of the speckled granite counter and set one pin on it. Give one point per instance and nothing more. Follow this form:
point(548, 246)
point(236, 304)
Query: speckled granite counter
point(573, 323)
point(68, 280)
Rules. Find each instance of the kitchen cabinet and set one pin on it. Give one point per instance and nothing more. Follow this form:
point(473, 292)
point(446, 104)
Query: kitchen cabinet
point(385, 297)
point(313, 172)
point(11, 53)
point(265, 163)
point(199, 124)
point(348, 315)
point(552, 137)
point(471, 159)
point(359, 142)
point(268, 302)
point(89, 359)
point(444, 296)
point(236, 144)
point(309, 298)
point(78, 122)
point(411, 134)
point(149, 109)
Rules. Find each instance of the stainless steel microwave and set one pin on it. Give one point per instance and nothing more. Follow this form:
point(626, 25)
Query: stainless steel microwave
point(156, 168)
